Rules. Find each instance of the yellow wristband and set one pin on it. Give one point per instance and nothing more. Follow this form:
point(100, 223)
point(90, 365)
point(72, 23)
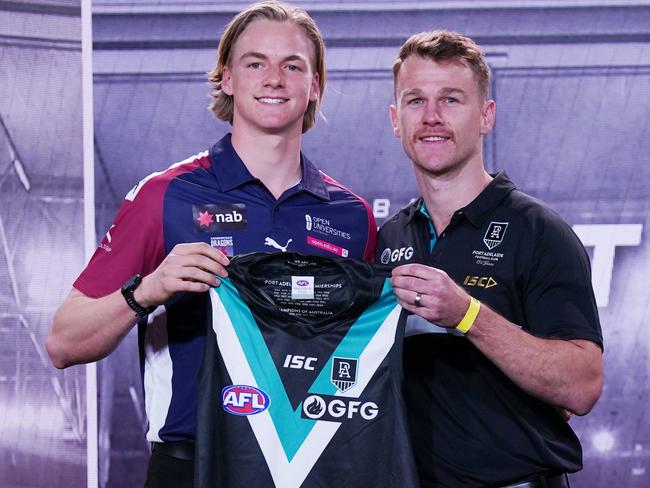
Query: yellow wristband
point(470, 316)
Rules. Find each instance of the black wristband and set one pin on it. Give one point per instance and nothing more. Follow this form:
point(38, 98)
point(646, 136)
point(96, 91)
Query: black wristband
point(127, 292)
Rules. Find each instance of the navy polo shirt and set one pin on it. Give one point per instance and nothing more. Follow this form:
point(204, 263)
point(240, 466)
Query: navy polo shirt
point(471, 426)
point(212, 197)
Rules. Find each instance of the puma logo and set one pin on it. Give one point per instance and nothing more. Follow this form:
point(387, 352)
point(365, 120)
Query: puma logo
point(269, 241)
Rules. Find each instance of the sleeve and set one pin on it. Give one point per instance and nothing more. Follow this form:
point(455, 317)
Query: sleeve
point(133, 244)
point(558, 296)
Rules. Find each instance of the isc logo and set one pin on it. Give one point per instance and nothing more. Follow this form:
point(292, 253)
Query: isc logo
point(244, 400)
point(480, 281)
point(299, 362)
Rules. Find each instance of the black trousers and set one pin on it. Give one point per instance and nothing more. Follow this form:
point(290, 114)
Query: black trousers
point(169, 472)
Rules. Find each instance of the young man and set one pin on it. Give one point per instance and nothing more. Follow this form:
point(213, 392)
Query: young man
point(500, 286)
point(252, 191)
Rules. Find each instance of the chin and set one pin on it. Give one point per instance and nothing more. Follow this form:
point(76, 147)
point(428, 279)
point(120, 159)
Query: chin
point(435, 169)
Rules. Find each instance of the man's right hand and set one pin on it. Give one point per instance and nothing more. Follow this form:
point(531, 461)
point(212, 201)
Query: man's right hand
point(88, 329)
point(190, 267)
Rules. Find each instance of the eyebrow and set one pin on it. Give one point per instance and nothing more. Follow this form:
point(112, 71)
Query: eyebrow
point(258, 55)
point(410, 92)
point(444, 91)
point(448, 91)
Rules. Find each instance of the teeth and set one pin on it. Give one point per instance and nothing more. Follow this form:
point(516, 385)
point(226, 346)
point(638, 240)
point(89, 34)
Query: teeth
point(434, 138)
point(271, 100)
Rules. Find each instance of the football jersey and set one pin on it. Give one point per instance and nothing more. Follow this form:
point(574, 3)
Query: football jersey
point(301, 377)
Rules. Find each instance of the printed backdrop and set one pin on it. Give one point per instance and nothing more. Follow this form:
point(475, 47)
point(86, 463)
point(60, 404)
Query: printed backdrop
point(571, 83)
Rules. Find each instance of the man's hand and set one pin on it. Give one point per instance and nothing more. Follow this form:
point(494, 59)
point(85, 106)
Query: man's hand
point(441, 300)
point(188, 267)
point(564, 373)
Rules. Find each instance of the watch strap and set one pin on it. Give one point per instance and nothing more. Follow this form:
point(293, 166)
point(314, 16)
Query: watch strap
point(128, 293)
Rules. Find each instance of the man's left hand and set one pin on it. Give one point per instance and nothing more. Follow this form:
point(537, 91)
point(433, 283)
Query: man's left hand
point(430, 293)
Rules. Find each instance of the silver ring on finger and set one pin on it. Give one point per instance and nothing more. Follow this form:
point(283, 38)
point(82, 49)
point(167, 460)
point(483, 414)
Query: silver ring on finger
point(418, 299)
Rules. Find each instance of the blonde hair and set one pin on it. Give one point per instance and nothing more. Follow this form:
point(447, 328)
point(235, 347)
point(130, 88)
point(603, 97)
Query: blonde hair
point(222, 103)
point(442, 45)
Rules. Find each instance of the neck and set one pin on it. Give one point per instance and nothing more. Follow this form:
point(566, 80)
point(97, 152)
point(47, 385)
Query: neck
point(445, 194)
point(274, 159)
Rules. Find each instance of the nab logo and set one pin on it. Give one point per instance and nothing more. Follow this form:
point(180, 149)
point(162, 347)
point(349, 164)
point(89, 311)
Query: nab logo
point(390, 256)
point(217, 217)
point(480, 281)
point(494, 234)
point(299, 362)
point(229, 217)
point(244, 400)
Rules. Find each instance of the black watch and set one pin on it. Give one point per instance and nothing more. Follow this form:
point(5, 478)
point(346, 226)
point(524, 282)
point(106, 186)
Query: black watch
point(127, 292)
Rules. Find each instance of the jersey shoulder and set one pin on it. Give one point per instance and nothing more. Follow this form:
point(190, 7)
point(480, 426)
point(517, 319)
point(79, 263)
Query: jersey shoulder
point(544, 223)
point(158, 181)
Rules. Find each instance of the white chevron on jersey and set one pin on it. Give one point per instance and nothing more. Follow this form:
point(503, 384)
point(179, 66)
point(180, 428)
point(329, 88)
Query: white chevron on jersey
point(157, 373)
point(292, 473)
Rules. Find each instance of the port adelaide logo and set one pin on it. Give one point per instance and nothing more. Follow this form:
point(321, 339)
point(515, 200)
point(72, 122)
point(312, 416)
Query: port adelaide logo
point(494, 234)
point(244, 400)
point(344, 373)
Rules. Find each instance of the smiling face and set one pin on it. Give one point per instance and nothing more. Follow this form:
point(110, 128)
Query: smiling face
point(271, 78)
point(440, 115)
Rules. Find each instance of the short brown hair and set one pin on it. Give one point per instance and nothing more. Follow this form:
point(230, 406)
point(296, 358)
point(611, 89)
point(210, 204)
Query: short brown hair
point(222, 104)
point(442, 45)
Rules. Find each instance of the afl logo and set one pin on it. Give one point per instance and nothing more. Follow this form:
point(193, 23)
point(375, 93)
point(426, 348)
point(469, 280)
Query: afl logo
point(302, 283)
point(244, 400)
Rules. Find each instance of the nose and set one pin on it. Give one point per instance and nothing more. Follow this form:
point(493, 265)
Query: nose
point(274, 77)
point(431, 115)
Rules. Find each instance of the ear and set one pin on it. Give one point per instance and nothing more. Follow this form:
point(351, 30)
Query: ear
point(488, 116)
point(392, 111)
point(226, 81)
point(315, 88)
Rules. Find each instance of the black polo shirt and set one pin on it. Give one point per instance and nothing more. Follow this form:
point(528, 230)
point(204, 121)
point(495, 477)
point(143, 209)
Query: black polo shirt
point(471, 425)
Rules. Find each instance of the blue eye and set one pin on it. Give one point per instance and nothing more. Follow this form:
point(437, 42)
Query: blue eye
point(255, 65)
point(451, 100)
point(414, 101)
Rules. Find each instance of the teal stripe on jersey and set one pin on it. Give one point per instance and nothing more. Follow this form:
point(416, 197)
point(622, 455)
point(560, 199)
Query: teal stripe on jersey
point(291, 428)
point(357, 338)
point(432, 229)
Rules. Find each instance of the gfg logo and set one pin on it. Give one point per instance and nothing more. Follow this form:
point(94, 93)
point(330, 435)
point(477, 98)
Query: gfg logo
point(244, 400)
point(335, 409)
point(391, 256)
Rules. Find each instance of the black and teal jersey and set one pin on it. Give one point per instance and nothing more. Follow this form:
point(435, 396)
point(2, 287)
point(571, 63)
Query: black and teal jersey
point(301, 377)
